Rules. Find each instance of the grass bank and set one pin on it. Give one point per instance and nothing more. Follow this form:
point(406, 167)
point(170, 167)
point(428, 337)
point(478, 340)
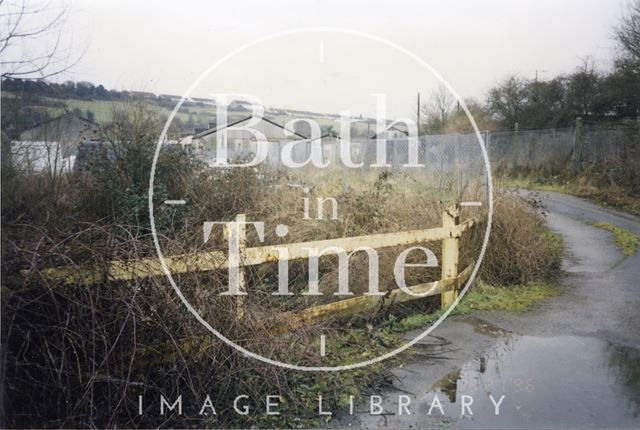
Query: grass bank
point(607, 195)
point(484, 297)
point(627, 241)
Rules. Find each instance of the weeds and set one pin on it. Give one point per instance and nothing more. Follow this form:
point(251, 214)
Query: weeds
point(482, 297)
point(607, 194)
point(521, 248)
point(516, 298)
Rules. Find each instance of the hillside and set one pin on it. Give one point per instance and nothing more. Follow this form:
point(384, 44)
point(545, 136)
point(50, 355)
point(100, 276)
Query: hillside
point(25, 104)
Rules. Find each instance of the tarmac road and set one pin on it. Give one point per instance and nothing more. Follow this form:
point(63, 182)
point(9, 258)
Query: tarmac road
point(573, 362)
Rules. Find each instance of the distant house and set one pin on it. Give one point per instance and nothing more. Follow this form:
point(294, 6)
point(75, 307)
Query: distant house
point(52, 145)
point(141, 94)
point(393, 131)
point(243, 142)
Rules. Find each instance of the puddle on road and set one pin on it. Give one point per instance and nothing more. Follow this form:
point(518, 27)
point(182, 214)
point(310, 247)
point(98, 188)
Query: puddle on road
point(548, 382)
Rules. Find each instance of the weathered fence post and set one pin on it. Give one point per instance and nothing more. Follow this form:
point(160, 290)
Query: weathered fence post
point(450, 255)
point(578, 132)
point(241, 302)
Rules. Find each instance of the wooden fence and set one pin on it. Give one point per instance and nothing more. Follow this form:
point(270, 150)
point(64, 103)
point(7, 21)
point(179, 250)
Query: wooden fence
point(451, 278)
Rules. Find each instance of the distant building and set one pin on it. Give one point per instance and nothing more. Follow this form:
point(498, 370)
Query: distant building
point(243, 142)
point(141, 94)
point(170, 97)
point(393, 131)
point(52, 145)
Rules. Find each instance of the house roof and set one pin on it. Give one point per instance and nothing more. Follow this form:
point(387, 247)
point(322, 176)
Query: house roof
point(59, 117)
point(391, 127)
point(213, 130)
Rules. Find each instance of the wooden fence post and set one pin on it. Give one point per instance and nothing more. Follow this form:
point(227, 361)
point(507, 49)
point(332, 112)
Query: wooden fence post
point(450, 255)
point(241, 302)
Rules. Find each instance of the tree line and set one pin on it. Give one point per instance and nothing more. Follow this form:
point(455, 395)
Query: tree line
point(598, 97)
point(66, 90)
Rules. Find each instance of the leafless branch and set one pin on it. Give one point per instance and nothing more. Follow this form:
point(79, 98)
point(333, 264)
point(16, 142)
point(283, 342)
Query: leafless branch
point(628, 32)
point(31, 41)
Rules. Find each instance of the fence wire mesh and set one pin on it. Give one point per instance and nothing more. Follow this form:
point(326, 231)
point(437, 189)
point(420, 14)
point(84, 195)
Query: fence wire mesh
point(453, 163)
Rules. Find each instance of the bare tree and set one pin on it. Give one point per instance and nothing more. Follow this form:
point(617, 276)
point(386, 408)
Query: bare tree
point(31, 40)
point(438, 109)
point(458, 121)
point(627, 34)
point(508, 100)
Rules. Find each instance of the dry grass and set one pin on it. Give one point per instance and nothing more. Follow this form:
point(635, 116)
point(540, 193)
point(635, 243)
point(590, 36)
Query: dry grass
point(521, 249)
point(86, 352)
point(616, 186)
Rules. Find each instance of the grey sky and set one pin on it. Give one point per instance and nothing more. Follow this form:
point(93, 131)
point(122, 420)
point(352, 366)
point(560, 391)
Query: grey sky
point(162, 46)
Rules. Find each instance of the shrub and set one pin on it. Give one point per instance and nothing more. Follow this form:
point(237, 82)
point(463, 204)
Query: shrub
point(521, 249)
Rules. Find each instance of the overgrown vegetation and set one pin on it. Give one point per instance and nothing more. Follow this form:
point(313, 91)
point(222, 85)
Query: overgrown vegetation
point(521, 249)
point(519, 268)
point(84, 353)
point(586, 184)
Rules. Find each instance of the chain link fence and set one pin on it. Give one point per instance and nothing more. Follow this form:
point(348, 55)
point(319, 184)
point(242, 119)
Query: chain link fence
point(548, 149)
point(454, 161)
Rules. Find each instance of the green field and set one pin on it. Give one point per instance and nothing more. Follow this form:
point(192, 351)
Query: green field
point(191, 115)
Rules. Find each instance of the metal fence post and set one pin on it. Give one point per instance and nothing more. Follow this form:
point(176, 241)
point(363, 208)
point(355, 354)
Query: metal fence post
point(577, 142)
point(487, 143)
point(487, 147)
point(450, 255)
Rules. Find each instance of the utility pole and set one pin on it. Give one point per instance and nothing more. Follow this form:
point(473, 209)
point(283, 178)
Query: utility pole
point(418, 114)
point(539, 70)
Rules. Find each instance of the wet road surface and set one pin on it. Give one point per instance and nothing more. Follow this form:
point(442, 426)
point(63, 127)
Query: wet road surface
point(573, 362)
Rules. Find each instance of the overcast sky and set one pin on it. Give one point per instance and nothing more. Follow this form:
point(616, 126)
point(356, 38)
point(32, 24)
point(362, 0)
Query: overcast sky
point(162, 46)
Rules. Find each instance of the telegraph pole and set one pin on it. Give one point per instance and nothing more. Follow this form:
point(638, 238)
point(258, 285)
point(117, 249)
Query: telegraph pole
point(418, 114)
